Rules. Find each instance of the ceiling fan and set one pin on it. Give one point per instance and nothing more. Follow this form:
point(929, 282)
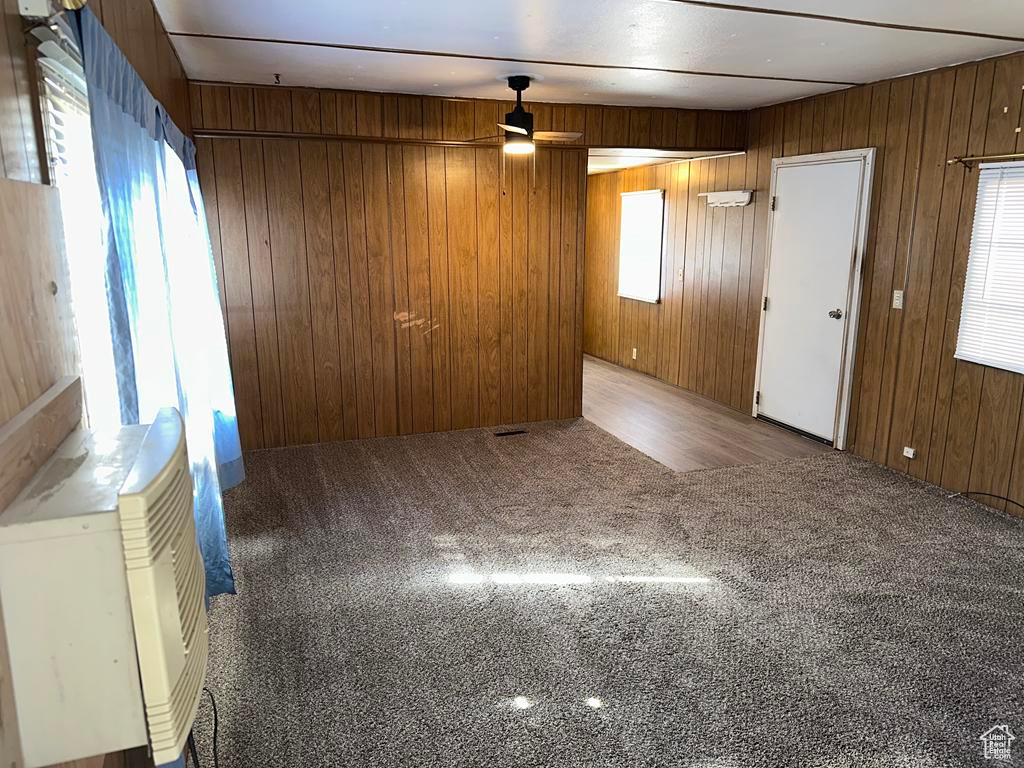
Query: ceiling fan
point(519, 135)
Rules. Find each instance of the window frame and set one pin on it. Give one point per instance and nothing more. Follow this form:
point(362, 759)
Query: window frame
point(645, 193)
point(979, 314)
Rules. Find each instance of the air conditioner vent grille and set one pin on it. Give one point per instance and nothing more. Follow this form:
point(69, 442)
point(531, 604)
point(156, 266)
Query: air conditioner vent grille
point(166, 585)
point(189, 581)
point(147, 535)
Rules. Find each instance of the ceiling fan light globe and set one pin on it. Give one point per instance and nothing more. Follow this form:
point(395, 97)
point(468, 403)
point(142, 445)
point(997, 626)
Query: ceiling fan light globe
point(519, 146)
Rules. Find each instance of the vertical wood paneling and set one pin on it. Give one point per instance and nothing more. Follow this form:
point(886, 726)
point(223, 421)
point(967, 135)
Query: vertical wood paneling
point(369, 114)
point(938, 361)
point(496, 289)
point(380, 276)
point(877, 124)
point(237, 287)
point(316, 211)
point(306, 111)
point(552, 245)
point(363, 114)
point(519, 181)
point(999, 406)
point(359, 288)
point(343, 287)
point(262, 281)
point(571, 171)
point(965, 420)
point(204, 153)
point(506, 315)
point(540, 273)
point(581, 225)
point(437, 210)
point(397, 289)
point(908, 206)
point(488, 247)
point(400, 260)
point(460, 174)
point(291, 289)
point(918, 270)
point(958, 410)
point(216, 106)
point(421, 321)
point(242, 116)
point(272, 110)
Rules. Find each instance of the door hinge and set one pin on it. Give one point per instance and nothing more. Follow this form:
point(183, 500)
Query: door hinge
point(757, 397)
point(774, 203)
point(764, 307)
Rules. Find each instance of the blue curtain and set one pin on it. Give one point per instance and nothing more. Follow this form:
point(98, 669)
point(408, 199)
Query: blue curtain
point(166, 323)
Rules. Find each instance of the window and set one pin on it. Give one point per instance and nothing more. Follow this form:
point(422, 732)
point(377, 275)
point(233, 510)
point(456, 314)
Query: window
point(640, 242)
point(65, 110)
point(992, 318)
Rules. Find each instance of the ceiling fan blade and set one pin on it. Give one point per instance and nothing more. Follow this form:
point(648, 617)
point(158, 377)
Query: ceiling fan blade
point(557, 135)
point(513, 128)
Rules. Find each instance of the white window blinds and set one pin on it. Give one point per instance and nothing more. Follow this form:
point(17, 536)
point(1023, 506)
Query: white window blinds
point(992, 317)
point(62, 91)
point(640, 239)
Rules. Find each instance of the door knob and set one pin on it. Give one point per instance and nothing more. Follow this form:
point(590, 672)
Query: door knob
point(836, 314)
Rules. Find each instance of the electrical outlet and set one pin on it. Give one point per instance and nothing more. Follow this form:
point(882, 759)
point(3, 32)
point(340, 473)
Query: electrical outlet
point(910, 453)
point(634, 353)
point(680, 275)
point(897, 299)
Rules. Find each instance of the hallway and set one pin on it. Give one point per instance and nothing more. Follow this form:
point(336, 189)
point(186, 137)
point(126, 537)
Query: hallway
point(682, 430)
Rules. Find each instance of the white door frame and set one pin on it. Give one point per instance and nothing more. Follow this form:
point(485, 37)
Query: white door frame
point(852, 309)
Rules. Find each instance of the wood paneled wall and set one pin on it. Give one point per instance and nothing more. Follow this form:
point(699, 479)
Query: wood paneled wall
point(387, 284)
point(965, 420)
point(699, 336)
point(395, 116)
point(36, 335)
point(380, 289)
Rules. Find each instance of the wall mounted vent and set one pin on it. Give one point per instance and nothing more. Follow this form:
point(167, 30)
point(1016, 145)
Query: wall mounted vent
point(734, 199)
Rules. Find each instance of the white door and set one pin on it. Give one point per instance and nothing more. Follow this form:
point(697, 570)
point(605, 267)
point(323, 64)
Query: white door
point(812, 282)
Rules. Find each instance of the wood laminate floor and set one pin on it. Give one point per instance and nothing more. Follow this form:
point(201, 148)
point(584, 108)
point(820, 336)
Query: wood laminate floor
point(681, 429)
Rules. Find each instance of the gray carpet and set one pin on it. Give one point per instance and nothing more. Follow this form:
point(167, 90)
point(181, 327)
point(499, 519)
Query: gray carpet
point(401, 599)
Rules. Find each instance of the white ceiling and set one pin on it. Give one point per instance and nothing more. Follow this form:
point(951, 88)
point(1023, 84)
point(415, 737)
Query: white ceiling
point(607, 159)
point(640, 52)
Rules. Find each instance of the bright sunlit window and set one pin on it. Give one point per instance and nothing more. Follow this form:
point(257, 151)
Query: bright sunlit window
point(65, 110)
point(992, 318)
point(640, 243)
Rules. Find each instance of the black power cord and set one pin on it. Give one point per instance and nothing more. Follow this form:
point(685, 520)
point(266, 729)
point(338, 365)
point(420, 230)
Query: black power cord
point(191, 743)
point(213, 703)
point(989, 495)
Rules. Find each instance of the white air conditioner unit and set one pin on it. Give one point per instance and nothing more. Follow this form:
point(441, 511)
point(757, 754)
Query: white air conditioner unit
point(103, 636)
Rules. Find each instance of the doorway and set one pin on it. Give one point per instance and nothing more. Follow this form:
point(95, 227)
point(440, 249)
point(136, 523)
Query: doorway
point(670, 357)
point(816, 238)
